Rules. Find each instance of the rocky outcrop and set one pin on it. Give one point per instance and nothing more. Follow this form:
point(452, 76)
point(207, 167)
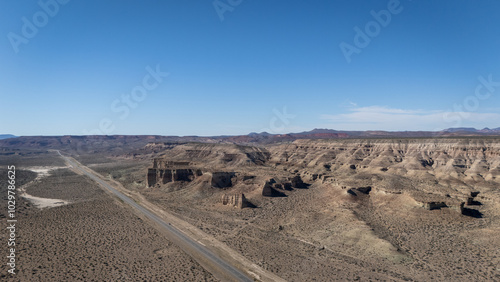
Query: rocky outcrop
point(152, 177)
point(435, 205)
point(470, 212)
point(248, 177)
point(281, 183)
point(463, 159)
point(164, 176)
point(236, 200)
point(164, 164)
point(222, 179)
point(471, 201)
point(273, 186)
point(360, 190)
point(287, 186)
point(297, 182)
point(365, 190)
point(214, 155)
point(165, 171)
point(269, 191)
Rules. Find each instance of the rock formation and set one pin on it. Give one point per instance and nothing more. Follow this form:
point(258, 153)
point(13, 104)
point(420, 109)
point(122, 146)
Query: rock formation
point(159, 163)
point(166, 171)
point(470, 212)
point(236, 200)
point(474, 194)
point(474, 159)
point(435, 205)
point(414, 166)
point(163, 176)
point(297, 182)
point(269, 191)
point(222, 179)
point(362, 190)
point(471, 200)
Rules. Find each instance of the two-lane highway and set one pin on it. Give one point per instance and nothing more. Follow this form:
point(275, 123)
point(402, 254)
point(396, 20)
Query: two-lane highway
point(217, 266)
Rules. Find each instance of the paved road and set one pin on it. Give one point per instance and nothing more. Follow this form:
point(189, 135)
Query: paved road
point(193, 246)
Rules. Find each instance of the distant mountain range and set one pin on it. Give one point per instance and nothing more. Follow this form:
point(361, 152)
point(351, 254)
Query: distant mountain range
point(123, 142)
point(319, 133)
point(6, 136)
point(473, 130)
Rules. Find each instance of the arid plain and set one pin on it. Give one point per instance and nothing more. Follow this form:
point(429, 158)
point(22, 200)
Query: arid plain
point(407, 209)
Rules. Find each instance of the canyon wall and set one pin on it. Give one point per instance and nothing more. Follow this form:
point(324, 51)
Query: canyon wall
point(464, 159)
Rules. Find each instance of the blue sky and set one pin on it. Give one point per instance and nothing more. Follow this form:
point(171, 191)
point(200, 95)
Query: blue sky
point(236, 67)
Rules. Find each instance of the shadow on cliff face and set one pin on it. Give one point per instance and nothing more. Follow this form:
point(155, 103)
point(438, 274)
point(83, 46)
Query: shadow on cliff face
point(360, 190)
point(269, 191)
point(250, 205)
point(276, 193)
point(298, 183)
point(305, 186)
point(472, 212)
point(475, 203)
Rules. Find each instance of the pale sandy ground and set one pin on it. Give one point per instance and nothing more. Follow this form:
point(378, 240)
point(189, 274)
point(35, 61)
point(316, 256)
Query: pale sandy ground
point(43, 171)
point(40, 202)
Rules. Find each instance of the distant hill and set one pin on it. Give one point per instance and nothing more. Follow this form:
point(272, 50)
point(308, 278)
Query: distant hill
point(118, 143)
point(323, 133)
point(472, 131)
point(461, 129)
point(6, 136)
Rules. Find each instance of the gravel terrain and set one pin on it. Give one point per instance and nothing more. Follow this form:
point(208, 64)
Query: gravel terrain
point(95, 238)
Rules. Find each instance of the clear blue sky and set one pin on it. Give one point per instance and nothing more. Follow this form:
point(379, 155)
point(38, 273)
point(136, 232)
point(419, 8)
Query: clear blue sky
point(236, 71)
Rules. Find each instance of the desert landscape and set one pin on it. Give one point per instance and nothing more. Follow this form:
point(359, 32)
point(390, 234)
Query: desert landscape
point(391, 209)
point(86, 235)
point(233, 140)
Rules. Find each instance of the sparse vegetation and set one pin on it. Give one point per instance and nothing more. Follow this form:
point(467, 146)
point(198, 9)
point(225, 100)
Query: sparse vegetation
point(379, 231)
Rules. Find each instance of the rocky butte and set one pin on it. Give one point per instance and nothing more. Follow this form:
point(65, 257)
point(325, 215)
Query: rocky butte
point(443, 172)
